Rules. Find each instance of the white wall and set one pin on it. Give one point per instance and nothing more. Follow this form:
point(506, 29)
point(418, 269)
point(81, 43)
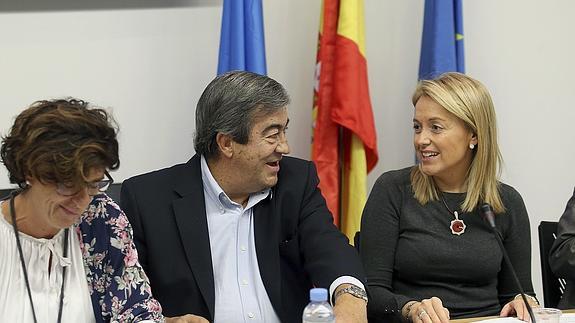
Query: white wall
point(149, 60)
point(527, 61)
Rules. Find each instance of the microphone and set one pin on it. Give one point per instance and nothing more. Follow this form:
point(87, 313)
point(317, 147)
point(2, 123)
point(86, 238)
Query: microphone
point(489, 216)
point(487, 212)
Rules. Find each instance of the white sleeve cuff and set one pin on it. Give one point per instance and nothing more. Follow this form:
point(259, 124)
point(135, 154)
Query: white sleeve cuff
point(343, 280)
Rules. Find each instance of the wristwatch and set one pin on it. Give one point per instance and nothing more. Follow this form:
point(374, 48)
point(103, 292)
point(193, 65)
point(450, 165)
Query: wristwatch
point(353, 290)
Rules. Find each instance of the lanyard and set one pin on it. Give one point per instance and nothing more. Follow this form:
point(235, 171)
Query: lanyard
point(65, 247)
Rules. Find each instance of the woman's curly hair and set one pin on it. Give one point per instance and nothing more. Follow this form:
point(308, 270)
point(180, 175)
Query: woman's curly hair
point(60, 141)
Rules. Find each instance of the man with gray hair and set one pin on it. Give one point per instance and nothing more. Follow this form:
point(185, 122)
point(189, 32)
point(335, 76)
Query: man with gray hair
point(240, 233)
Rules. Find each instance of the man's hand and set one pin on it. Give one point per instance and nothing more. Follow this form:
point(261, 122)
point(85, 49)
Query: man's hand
point(349, 309)
point(188, 318)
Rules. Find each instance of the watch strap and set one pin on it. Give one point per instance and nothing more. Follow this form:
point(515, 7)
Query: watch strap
point(353, 290)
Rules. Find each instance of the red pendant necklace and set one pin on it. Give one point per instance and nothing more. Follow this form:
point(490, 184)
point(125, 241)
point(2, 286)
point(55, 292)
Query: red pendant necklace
point(457, 226)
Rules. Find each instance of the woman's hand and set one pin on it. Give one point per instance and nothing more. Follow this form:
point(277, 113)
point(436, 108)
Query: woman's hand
point(188, 318)
point(517, 307)
point(429, 310)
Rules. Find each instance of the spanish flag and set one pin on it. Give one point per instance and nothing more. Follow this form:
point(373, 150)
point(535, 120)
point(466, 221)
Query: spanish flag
point(344, 141)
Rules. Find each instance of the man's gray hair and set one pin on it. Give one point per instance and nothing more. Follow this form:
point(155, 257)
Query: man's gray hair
point(229, 104)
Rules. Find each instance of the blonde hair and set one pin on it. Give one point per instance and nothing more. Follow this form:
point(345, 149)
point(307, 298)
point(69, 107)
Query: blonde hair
point(468, 100)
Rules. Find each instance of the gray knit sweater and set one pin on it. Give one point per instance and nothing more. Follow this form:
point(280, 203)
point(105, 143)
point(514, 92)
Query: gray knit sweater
point(409, 252)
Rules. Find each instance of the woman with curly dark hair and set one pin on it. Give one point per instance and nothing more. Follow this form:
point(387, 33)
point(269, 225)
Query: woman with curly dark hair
point(66, 247)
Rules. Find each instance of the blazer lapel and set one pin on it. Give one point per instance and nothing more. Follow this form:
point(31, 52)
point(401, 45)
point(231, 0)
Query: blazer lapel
point(190, 214)
point(266, 230)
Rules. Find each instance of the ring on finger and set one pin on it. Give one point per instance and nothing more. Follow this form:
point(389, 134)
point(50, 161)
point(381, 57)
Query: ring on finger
point(421, 314)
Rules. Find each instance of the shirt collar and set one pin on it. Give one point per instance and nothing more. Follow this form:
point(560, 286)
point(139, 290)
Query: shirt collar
point(217, 194)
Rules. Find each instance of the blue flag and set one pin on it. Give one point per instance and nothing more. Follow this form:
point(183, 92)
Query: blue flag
point(242, 44)
point(442, 40)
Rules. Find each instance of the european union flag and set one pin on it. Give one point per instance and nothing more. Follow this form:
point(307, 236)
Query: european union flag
point(442, 41)
point(242, 44)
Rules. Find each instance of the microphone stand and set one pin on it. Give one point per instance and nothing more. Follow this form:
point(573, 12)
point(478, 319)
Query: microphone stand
point(488, 213)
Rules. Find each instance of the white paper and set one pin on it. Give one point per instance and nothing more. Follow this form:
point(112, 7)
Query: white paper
point(502, 320)
point(565, 318)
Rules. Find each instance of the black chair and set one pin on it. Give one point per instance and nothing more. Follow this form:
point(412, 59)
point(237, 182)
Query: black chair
point(114, 192)
point(553, 287)
point(5, 192)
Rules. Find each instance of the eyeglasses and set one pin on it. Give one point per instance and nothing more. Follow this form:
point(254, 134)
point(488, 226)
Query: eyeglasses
point(93, 188)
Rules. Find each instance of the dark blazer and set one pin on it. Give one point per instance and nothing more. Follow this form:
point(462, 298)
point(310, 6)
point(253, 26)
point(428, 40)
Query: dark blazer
point(297, 245)
point(562, 254)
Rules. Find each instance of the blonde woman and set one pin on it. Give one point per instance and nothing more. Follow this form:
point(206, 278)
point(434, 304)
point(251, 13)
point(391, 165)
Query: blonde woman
point(427, 252)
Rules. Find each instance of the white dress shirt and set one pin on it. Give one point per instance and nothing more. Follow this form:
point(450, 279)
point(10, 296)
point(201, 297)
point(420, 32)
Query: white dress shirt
point(240, 295)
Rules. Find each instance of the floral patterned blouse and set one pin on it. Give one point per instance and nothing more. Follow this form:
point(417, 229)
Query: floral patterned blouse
point(119, 288)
